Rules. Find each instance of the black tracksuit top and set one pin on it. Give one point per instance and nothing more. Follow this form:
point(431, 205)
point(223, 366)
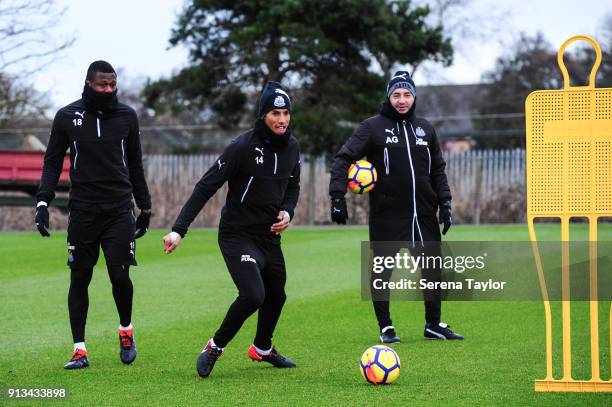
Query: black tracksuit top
point(105, 156)
point(262, 179)
point(408, 159)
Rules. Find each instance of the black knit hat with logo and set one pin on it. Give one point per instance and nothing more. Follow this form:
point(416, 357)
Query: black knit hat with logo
point(273, 97)
point(401, 80)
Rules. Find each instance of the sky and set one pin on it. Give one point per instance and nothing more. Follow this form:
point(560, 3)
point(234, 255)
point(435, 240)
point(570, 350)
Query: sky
point(133, 36)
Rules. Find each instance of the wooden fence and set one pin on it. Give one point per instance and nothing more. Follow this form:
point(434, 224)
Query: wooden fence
point(488, 186)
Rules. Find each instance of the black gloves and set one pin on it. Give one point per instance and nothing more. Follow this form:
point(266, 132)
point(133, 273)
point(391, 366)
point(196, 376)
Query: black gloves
point(444, 215)
point(339, 214)
point(42, 220)
point(142, 223)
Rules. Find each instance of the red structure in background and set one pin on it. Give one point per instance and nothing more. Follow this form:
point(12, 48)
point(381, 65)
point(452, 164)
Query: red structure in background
point(20, 171)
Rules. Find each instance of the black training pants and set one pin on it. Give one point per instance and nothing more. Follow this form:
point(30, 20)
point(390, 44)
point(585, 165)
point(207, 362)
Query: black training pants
point(257, 266)
point(382, 230)
point(87, 231)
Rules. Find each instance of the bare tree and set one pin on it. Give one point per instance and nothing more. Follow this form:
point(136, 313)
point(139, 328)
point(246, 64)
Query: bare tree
point(605, 41)
point(466, 24)
point(27, 39)
point(19, 102)
point(28, 43)
point(606, 29)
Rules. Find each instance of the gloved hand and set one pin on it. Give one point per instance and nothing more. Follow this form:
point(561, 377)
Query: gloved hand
point(339, 213)
point(444, 215)
point(42, 220)
point(142, 223)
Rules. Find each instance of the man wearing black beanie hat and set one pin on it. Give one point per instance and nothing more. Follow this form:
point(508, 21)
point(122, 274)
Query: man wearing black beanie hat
point(262, 169)
point(273, 97)
point(105, 172)
point(412, 186)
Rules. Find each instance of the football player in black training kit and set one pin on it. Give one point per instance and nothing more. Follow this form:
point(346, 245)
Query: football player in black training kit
point(262, 168)
point(105, 172)
point(412, 187)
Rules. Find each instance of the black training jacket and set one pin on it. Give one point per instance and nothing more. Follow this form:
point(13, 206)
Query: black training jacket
point(262, 181)
point(408, 160)
point(105, 157)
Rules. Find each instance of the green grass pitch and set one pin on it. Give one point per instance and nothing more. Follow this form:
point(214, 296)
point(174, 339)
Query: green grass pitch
point(181, 299)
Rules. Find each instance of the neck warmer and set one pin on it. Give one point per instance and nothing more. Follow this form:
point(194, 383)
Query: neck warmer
point(99, 101)
point(389, 111)
point(269, 137)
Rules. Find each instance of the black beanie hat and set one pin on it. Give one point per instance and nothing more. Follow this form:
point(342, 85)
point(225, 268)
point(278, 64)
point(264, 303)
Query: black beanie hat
point(273, 97)
point(401, 79)
point(99, 66)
